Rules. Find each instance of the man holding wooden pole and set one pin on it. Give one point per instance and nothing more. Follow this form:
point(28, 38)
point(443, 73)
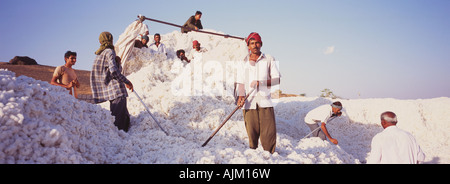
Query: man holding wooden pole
point(261, 72)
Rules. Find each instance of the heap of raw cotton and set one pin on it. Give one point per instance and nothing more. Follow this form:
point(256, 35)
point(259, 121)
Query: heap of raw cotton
point(41, 123)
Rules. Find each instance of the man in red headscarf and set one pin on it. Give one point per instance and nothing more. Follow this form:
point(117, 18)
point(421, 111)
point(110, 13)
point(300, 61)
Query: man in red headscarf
point(258, 71)
point(197, 51)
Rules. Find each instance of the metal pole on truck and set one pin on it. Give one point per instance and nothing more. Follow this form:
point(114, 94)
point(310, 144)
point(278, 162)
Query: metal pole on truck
point(201, 31)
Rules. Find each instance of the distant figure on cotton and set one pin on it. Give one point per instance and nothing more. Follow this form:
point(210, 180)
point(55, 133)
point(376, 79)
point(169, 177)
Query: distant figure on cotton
point(65, 75)
point(157, 47)
point(193, 23)
point(181, 54)
point(320, 116)
point(141, 43)
point(197, 51)
point(394, 145)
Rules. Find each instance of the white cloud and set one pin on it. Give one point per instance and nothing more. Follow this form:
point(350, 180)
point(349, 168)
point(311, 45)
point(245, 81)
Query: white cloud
point(329, 50)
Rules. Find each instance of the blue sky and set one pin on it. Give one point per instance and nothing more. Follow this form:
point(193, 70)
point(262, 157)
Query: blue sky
point(357, 48)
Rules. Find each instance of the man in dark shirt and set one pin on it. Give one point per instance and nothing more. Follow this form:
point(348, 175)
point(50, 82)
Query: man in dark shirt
point(193, 23)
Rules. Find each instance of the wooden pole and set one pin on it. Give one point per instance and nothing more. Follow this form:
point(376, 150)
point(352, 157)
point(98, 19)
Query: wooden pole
point(223, 123)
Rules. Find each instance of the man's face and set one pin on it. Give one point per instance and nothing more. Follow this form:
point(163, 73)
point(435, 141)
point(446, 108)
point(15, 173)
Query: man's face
point(71, 60)
point(336, 111)
point(254, 46)
point(197, 47)
point(157, 38)
point(198, 17)
point(144, 41)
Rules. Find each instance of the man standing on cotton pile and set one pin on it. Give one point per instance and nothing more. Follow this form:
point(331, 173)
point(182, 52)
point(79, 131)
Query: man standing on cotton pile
point(108, 84)
point(65, 75)
point(323, 114)
point(261, 72)
point(393, 145)
point(197, 51)
point(157, 47)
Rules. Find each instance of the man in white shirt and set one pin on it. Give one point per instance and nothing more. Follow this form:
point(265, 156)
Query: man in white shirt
point(157, 47)
point(258, 71)
point(197, 51)
point(393, 145)
point(323, 114)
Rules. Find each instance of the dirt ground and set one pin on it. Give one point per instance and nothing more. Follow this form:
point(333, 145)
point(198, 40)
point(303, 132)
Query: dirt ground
point(45, 73)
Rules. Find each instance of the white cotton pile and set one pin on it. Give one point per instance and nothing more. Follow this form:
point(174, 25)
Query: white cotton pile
point(428, 120)
point(41, 123)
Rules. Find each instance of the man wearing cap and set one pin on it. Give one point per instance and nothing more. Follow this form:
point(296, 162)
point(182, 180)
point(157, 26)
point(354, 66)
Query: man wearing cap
point(193, 23)
point(323, 114)
point(197, 51)
point(141, 43)
point(258, 71)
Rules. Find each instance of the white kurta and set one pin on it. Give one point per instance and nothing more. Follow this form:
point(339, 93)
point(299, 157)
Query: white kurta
point(321, 114)
point(264, 69)
point(395, 146)
point(197, 55)
point(125, 43)
point(161, 49)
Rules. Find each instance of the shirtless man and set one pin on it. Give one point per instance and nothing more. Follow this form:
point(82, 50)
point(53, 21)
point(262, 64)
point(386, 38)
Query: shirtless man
point(65, 75)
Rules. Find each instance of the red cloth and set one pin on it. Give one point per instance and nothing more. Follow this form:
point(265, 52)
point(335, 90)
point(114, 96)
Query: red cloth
point(255, 36)
point(194, 43)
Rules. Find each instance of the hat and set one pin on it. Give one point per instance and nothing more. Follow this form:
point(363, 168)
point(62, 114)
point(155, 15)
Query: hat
point(145, 37)
point(337, 105)
point(255, 36)
point(195, 42)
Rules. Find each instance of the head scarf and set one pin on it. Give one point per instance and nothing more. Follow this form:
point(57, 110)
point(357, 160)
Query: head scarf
point(194, 43)
point(336, 106)
point(255, 36)
point(145, 37)
point(106, 41)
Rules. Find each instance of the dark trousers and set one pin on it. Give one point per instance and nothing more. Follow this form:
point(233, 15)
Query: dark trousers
point(119, 110)
point(260, 124)
point(317, 133)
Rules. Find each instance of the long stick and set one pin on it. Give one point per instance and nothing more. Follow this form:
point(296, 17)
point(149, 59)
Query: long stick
point(150, 112)
point(73, 91)
point(201, 31)
point(223, 123)
point(332, 116)
point(311, 132)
